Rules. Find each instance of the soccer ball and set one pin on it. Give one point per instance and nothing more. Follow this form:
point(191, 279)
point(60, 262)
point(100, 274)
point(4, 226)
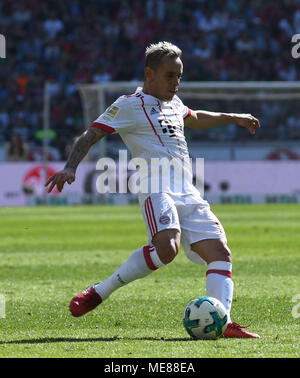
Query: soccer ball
point(205, 318)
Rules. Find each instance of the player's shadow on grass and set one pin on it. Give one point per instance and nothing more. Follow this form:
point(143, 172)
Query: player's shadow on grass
point(48, 340)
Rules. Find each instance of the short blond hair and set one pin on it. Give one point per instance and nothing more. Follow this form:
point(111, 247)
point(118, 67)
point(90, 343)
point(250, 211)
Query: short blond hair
point(156, 51)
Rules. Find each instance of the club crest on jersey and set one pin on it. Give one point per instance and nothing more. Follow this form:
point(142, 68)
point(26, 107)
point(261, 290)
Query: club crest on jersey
point(164, 219)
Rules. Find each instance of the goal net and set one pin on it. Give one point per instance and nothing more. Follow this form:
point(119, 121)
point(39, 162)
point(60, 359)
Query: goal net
point(273, 103)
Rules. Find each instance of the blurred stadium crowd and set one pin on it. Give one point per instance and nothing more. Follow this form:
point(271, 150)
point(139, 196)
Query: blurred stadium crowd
point(72, 41)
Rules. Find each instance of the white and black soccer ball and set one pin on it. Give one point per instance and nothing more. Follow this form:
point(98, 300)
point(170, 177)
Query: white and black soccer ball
point(205, 318)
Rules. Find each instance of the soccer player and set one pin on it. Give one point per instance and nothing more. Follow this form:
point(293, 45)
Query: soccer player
point(151, 123)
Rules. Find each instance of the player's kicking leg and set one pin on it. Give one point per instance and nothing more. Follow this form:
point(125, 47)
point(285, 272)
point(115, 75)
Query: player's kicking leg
point(141, 263)
point(219, 282)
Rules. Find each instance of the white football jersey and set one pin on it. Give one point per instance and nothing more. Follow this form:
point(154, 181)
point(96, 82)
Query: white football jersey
point(150, 128)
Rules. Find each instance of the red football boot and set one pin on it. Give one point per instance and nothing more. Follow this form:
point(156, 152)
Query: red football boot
point(85, 302)
point(234, 330)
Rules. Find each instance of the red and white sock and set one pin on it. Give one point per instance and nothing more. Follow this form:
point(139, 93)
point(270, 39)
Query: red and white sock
point(219, 283)
point(142, 262)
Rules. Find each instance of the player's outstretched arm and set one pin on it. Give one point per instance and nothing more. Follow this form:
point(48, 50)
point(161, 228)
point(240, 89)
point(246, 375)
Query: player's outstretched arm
point(78, 152)
point(200, 119)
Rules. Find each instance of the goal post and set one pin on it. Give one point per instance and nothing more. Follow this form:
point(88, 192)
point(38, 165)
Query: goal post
point(94, 96)
point(94, 102)
point(228, 96)
point(270, 101)
point(275, 104)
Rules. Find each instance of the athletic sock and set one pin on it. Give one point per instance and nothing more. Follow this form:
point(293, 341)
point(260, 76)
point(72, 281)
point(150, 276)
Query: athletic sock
point(219, 283)
point(140, 264)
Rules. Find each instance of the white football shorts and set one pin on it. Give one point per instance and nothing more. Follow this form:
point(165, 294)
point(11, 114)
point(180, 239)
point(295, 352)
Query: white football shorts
point(188, 213)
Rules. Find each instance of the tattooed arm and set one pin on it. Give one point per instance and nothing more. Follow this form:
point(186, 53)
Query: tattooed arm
point(78, 152)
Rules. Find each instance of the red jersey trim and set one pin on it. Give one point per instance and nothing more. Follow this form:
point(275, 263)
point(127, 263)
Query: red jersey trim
point(104, 127)
point(150, 217)
point(226, 273)
point(149, 120)
point(146, 251)
point(188, 113)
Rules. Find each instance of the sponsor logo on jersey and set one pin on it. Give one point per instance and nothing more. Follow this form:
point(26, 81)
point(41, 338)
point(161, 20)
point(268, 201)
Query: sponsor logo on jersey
point(154, 111)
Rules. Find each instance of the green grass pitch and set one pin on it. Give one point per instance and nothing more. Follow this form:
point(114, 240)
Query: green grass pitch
point(49, 254)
